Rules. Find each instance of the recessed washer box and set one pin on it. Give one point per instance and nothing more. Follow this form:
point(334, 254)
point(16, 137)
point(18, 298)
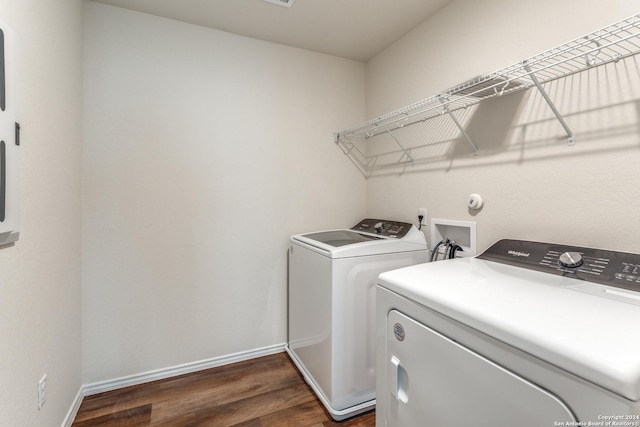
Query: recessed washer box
point(462, 232)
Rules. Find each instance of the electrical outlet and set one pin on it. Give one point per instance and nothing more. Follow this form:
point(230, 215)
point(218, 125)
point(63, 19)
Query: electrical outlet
point(423, 212)
point(42, 391)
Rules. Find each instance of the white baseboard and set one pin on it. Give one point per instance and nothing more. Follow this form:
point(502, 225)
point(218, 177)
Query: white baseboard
point(159, 374)
point(71, 415)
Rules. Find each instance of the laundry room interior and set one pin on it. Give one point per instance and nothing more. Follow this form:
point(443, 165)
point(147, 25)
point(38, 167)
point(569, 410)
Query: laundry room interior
point(164, 166)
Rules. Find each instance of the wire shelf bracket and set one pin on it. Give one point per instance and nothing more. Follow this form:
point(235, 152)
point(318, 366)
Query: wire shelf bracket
point(406, 152)
point(458, 125)
point(570, 138)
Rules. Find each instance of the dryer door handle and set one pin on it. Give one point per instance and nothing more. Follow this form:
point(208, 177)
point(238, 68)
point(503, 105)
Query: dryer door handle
point(399, 381)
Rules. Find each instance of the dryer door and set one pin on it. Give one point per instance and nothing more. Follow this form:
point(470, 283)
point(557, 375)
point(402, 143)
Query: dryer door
point(434, 381)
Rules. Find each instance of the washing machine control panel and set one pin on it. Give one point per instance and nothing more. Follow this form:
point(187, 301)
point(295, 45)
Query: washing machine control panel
point(611, 268)
point(383, 227)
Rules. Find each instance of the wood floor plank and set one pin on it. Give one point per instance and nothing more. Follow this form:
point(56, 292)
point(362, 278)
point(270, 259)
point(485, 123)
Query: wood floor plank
point(238, 388)
point(188, 420)
point(251, 423)
point(306, 414)
point(133, 417)
point(263, 392)
point(254, 407)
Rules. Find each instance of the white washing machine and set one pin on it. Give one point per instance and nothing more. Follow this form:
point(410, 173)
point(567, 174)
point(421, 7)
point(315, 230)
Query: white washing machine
point(332, 287)
point(527, 334)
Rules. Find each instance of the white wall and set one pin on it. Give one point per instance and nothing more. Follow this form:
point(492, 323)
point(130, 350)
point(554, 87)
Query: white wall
point(40, 292)
point(203, 152)
point(534, 185)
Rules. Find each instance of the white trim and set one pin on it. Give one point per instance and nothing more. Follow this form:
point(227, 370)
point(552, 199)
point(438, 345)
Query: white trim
point(159, 374)
point(73, 411)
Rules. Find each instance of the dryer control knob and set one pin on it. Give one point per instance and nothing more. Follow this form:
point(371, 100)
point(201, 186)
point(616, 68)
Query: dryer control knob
point(571, 260)
point(379, 227)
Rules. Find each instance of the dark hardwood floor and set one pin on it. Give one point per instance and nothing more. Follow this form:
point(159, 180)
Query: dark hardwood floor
point(262, 392)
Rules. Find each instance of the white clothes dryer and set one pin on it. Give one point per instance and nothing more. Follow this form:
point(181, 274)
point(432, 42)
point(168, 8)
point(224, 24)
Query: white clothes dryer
point(527, 334)
point(332, 283)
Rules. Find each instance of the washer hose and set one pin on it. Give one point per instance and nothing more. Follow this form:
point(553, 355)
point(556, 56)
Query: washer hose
point(449, 252)
point(453, 251)
point(435, 251)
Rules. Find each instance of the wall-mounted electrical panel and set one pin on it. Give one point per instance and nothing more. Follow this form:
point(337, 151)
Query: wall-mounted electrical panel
point(9, 140)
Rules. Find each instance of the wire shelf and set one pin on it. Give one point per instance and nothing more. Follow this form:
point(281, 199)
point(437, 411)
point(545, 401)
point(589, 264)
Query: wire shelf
point(606, 45)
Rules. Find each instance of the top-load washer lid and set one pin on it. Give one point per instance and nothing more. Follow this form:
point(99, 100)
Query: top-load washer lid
point(338, 238)
point(590, 332)
point(368, 237)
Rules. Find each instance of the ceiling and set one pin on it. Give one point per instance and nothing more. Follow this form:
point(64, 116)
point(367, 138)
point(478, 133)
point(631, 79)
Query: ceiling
point(354, 29)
